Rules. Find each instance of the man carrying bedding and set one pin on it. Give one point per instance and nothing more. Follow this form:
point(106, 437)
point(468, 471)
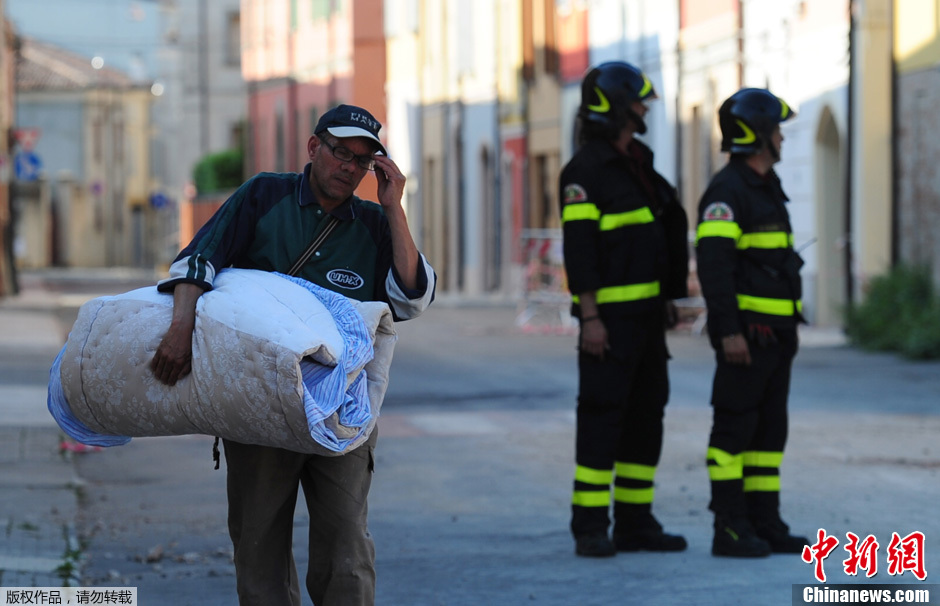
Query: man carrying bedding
point(369, 255)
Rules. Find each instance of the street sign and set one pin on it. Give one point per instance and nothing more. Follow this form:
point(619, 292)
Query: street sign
point(28, 166)
point(159, 200)
point(26, 137)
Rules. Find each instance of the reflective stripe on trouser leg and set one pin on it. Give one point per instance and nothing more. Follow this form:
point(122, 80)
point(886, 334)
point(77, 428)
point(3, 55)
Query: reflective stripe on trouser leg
point(762, 471)
point(592, 487)
point(633, 484)
point(726, 472)
point(762, 483)
point(724, 466)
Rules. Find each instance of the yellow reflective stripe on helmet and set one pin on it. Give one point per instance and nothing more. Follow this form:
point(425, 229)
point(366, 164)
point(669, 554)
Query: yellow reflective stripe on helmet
point(591, 498)
point(771, 307)
point(726, 467)
point(580, 212)
point(598, 477)
point(717, 229)
point(647, 87)
point(749, 136)
point(762, 484)
point(604, 106)
point(635, 471)
point(769, 239)
point(638, 496)
point(784, 109)
point(633, 217)
point(754, 458)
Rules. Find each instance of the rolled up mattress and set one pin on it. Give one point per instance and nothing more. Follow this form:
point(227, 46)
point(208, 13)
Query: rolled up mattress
point(277, 361)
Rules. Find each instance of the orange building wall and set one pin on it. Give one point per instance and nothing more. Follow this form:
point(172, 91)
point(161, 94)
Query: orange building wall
point(694, 12)
point(573, 53)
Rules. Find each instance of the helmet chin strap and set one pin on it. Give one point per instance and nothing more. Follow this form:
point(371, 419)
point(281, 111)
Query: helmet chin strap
point(774, 152)
point(638, 122)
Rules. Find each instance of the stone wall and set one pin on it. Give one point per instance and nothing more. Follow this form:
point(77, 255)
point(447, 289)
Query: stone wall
point(918, 174)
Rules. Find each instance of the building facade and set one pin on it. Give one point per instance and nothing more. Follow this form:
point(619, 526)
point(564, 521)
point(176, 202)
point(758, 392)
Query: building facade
point(917, 150)
point(479, 101)
point(298, 60)
point(8, 282)
point(88, 200)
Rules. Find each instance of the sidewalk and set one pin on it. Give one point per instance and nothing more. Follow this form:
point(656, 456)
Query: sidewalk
point(39, 488)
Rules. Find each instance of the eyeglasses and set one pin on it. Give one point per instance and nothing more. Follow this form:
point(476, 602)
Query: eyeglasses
point(345, 155)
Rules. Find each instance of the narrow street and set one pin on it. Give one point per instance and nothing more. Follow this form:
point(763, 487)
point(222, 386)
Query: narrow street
point(471, 495)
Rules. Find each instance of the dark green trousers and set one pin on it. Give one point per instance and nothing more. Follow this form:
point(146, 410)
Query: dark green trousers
point(262, 495)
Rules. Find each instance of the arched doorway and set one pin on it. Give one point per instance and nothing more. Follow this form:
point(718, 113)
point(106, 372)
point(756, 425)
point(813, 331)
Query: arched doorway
point(833, 233)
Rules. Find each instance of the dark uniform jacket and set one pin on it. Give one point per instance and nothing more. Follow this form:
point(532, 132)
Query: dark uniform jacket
point(625, 233)
point(747, 267)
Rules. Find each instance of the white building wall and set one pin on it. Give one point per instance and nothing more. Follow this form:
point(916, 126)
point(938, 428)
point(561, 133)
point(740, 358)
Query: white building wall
point(202, 94)
point(806, 63)
point(644, 33)
point(478, 86)
point(403, 103)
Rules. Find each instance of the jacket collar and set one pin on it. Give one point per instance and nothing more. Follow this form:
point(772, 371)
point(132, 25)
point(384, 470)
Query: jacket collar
point(754, 179)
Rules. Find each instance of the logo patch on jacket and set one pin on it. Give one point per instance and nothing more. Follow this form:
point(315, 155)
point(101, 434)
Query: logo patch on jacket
point(574, 193)
point(344, 278)
point(718, 211)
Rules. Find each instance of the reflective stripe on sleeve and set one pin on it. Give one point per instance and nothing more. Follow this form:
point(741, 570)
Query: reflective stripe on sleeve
point(633, 217)
point(718, 229)
point(580, 212)
point(767, 240)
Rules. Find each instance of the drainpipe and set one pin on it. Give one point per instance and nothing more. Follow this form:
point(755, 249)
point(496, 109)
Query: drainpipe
point(849, 169)
point(895, 158)
point(740, 43)
point(203, 50)
point(680, 173)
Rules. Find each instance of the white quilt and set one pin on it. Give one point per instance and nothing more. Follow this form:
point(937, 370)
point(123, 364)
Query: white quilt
point(277, 361)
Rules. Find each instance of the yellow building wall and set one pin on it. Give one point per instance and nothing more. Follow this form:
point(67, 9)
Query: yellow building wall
point(916, 34)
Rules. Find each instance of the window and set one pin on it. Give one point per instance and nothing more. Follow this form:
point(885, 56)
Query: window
point(233, 49)
point(321, 9)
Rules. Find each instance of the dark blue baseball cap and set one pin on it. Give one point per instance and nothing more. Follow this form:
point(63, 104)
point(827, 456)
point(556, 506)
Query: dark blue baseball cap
point(345, 121)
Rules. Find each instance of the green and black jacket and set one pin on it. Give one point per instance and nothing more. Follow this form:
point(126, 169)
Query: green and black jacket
point(270, 221)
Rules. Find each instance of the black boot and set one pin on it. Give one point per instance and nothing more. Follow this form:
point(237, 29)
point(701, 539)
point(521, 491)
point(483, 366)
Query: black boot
point(595, 545)
point(645, 533)
point(735, 537)
point(777, 534)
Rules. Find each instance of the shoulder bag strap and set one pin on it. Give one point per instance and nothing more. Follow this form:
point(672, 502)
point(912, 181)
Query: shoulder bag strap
point(330, 224)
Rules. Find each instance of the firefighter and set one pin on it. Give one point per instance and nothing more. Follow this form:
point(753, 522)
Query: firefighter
point(750, 278)
point(626, 258)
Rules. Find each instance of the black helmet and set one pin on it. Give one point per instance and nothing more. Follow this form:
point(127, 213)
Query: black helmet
point(749, 117)
point(607, 92)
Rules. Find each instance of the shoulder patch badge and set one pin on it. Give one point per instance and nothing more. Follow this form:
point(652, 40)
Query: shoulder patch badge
point(718, 211)
point(574, 193)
